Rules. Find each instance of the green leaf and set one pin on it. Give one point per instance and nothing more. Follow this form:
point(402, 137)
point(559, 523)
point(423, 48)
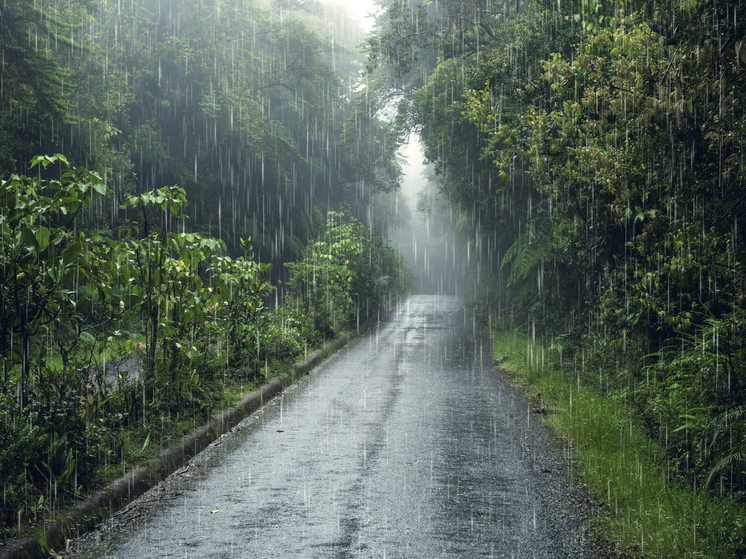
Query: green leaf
point(83, 304)
point(60, 157)
point(87, 337)
point(29, 238)
point(99, 187)
point(42, 237)
point(71, 253)
point(131, 300)
point(145, 444)
point(124, 275)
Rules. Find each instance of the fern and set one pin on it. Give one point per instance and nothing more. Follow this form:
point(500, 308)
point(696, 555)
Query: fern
point(726, 418)
point(718, 426)
point(724, 463)
point(524, 256)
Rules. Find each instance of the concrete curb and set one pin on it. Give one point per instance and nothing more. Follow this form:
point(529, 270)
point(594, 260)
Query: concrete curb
point(72, 521)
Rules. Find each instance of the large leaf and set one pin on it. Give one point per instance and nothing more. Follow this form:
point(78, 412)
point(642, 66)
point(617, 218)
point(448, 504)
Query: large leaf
point(132, 300)
point(71, 253)
point(27, 234)
point(42, 238)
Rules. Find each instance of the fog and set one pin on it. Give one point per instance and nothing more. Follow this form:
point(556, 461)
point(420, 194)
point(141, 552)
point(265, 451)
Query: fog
point(428, 241)
point(360, 9)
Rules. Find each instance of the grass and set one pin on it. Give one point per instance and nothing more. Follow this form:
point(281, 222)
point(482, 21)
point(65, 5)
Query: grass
point(643, 510)
point(140, 443)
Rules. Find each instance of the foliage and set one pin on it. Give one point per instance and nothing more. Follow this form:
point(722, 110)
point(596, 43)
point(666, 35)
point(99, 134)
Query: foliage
point(244, 286)
point(645, 508)
point(18, 449)
point(345, 278)
point(49, 282)
point(118, 309)
point(630, 149)
point(594, 152)
point(253, 108)
point(33, 91)
point(76, 383)
point(42, 259)
point(471, 71)
point(62, 292)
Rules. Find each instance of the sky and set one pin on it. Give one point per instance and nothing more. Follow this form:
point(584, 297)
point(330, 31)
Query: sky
point(359, 8)
point(412, 152)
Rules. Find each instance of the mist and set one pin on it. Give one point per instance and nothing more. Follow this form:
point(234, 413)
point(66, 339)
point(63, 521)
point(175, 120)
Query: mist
point(429, 240)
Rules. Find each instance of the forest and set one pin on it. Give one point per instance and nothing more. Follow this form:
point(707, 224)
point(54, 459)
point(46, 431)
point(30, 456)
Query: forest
point(186, 208)
point(592, 154)
point(595, 154)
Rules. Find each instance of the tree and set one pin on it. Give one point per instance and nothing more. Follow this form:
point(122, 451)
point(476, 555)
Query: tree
point(49, 274)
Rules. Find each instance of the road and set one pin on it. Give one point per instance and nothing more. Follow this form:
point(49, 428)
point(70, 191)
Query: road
point(409, 443)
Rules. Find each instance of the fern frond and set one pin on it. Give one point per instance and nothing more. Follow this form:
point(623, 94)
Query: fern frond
point(524, 255)
point(724, 463)
point(718, 426)
point(725, 419)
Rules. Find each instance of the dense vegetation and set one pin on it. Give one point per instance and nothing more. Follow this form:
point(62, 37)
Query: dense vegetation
point(595, 153)
point(254, 107)
point(592, 152)
point(78, 306)
point(204, 146)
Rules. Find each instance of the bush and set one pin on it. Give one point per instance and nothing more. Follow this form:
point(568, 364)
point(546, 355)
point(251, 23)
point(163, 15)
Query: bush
point(345, 277)
point(62, 413)
point(20, 447)
point(282, 342)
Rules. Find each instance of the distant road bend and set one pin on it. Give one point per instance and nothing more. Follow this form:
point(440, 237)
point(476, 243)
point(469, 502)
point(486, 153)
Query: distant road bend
point(409, 443)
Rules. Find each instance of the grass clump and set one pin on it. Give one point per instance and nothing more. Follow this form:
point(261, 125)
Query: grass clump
point(646, 507)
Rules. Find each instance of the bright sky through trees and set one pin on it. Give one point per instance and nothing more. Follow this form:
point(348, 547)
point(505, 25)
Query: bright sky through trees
point(360, 9)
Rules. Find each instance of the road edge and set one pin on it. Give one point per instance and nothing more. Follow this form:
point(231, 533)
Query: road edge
point(72, 521)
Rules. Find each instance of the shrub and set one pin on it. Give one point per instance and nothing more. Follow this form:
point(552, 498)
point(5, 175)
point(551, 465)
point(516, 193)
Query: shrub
point(345, 277)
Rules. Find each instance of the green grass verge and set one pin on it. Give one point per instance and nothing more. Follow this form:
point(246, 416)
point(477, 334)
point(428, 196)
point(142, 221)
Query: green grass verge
point(645, 511)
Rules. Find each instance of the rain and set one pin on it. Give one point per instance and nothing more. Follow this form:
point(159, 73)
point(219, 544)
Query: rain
point(396, 278)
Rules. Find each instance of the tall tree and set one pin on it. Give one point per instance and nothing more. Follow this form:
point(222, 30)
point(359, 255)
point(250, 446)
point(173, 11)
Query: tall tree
point(32, 92)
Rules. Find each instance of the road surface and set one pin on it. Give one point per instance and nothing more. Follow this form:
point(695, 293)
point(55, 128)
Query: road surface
point(409, 443)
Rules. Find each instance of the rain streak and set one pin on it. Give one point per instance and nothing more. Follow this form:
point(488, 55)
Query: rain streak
point(395, 278)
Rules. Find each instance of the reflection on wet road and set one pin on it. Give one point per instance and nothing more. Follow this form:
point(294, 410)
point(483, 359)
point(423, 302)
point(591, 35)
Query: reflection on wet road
point(407, 444)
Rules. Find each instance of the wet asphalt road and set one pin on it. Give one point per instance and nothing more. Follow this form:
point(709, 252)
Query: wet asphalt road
point(407, 444)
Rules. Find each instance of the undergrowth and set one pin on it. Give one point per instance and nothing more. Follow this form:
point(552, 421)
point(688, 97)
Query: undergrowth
point(646, 507)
